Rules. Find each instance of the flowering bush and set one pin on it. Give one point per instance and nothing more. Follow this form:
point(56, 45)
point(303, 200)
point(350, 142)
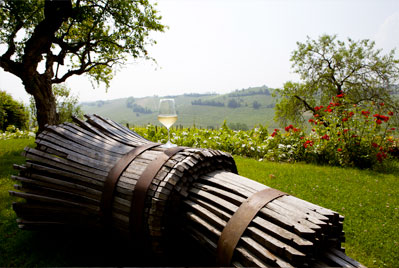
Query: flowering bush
point(341, 134)
point(347, 135)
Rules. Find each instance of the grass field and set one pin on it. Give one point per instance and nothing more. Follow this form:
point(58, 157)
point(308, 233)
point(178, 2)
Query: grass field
point(368, 200)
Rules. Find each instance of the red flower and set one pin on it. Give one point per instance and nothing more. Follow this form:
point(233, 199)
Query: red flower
point(318, 107)
point(380, 117)
point(308, 143)
point(365, 113)
point(381, 156)
point(328, 110)
point(375, 145)
point(325, 137)
point(273, 134)
point(301, 138)
point(311, 120)
point(379, 122)
point(289, 127)
point(340, 95)
point(381, 103)
point(393, 128)
point(316, 115)
point(346, 130)
point(344, 119)
point(390, 113)
point(296, 129)
point(385, 118)
point(339, 150)
point(351, 114)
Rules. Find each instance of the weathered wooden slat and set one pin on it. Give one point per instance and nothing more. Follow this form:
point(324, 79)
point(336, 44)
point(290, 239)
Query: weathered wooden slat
point(269, 227)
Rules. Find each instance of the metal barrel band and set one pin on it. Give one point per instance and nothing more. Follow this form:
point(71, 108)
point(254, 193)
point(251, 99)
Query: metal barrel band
point(136, 219)
point(239, 222)
point(112, 179)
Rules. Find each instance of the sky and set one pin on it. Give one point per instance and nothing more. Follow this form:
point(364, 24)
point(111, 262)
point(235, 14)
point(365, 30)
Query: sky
point(223, 45)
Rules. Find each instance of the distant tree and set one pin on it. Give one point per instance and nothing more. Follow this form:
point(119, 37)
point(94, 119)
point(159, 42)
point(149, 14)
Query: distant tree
point(256, 105)
point(129, 102)
point(12, 112)
point(238, 126)
point(329, 67)
point(48, 41)
point(207, 103)
point(140, 109)
point(100, 103)
point(66, 104)
point(233, 103)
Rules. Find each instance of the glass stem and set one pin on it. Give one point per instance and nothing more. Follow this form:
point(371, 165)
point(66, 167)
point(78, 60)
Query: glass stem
point(168, 135)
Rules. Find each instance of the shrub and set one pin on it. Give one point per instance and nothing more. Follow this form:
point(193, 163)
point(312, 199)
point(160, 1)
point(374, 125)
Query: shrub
point(12, 113)
point(350, 135)
point(340, 137)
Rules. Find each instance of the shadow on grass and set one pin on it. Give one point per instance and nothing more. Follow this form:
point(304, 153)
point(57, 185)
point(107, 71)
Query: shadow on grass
point(90, 248)
point(389, 168)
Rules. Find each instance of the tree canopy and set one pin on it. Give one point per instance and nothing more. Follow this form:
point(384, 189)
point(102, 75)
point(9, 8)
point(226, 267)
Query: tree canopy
point(328, 67)
point(49, 41)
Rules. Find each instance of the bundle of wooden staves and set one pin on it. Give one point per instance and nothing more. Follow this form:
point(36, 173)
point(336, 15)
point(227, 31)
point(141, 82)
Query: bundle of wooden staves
point(97, 173)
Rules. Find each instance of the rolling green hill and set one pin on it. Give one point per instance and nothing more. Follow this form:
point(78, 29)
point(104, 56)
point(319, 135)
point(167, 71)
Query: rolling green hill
point(246, 107)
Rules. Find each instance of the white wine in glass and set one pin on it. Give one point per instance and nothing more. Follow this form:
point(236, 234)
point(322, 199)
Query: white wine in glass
point(167, 116)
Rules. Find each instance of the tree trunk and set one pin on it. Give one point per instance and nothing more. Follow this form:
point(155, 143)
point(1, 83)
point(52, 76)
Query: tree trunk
point(46, 110)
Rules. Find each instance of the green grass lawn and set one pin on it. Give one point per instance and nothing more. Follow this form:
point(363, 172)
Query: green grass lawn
point(368, 200)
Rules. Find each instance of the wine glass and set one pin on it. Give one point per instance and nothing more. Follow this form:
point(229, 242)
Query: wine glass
point(167, 116)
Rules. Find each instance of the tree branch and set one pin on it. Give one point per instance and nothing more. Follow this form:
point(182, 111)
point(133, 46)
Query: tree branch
point(56, 12)
point(84, 68)
point(10, 66)
point(306, 104)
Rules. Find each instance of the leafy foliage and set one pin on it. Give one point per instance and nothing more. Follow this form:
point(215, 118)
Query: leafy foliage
point(93, 36)
point(12, 112)
point(329, 67)
point(71, 37)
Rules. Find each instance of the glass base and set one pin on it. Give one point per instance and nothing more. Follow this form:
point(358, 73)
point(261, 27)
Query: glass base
point(168, 145)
